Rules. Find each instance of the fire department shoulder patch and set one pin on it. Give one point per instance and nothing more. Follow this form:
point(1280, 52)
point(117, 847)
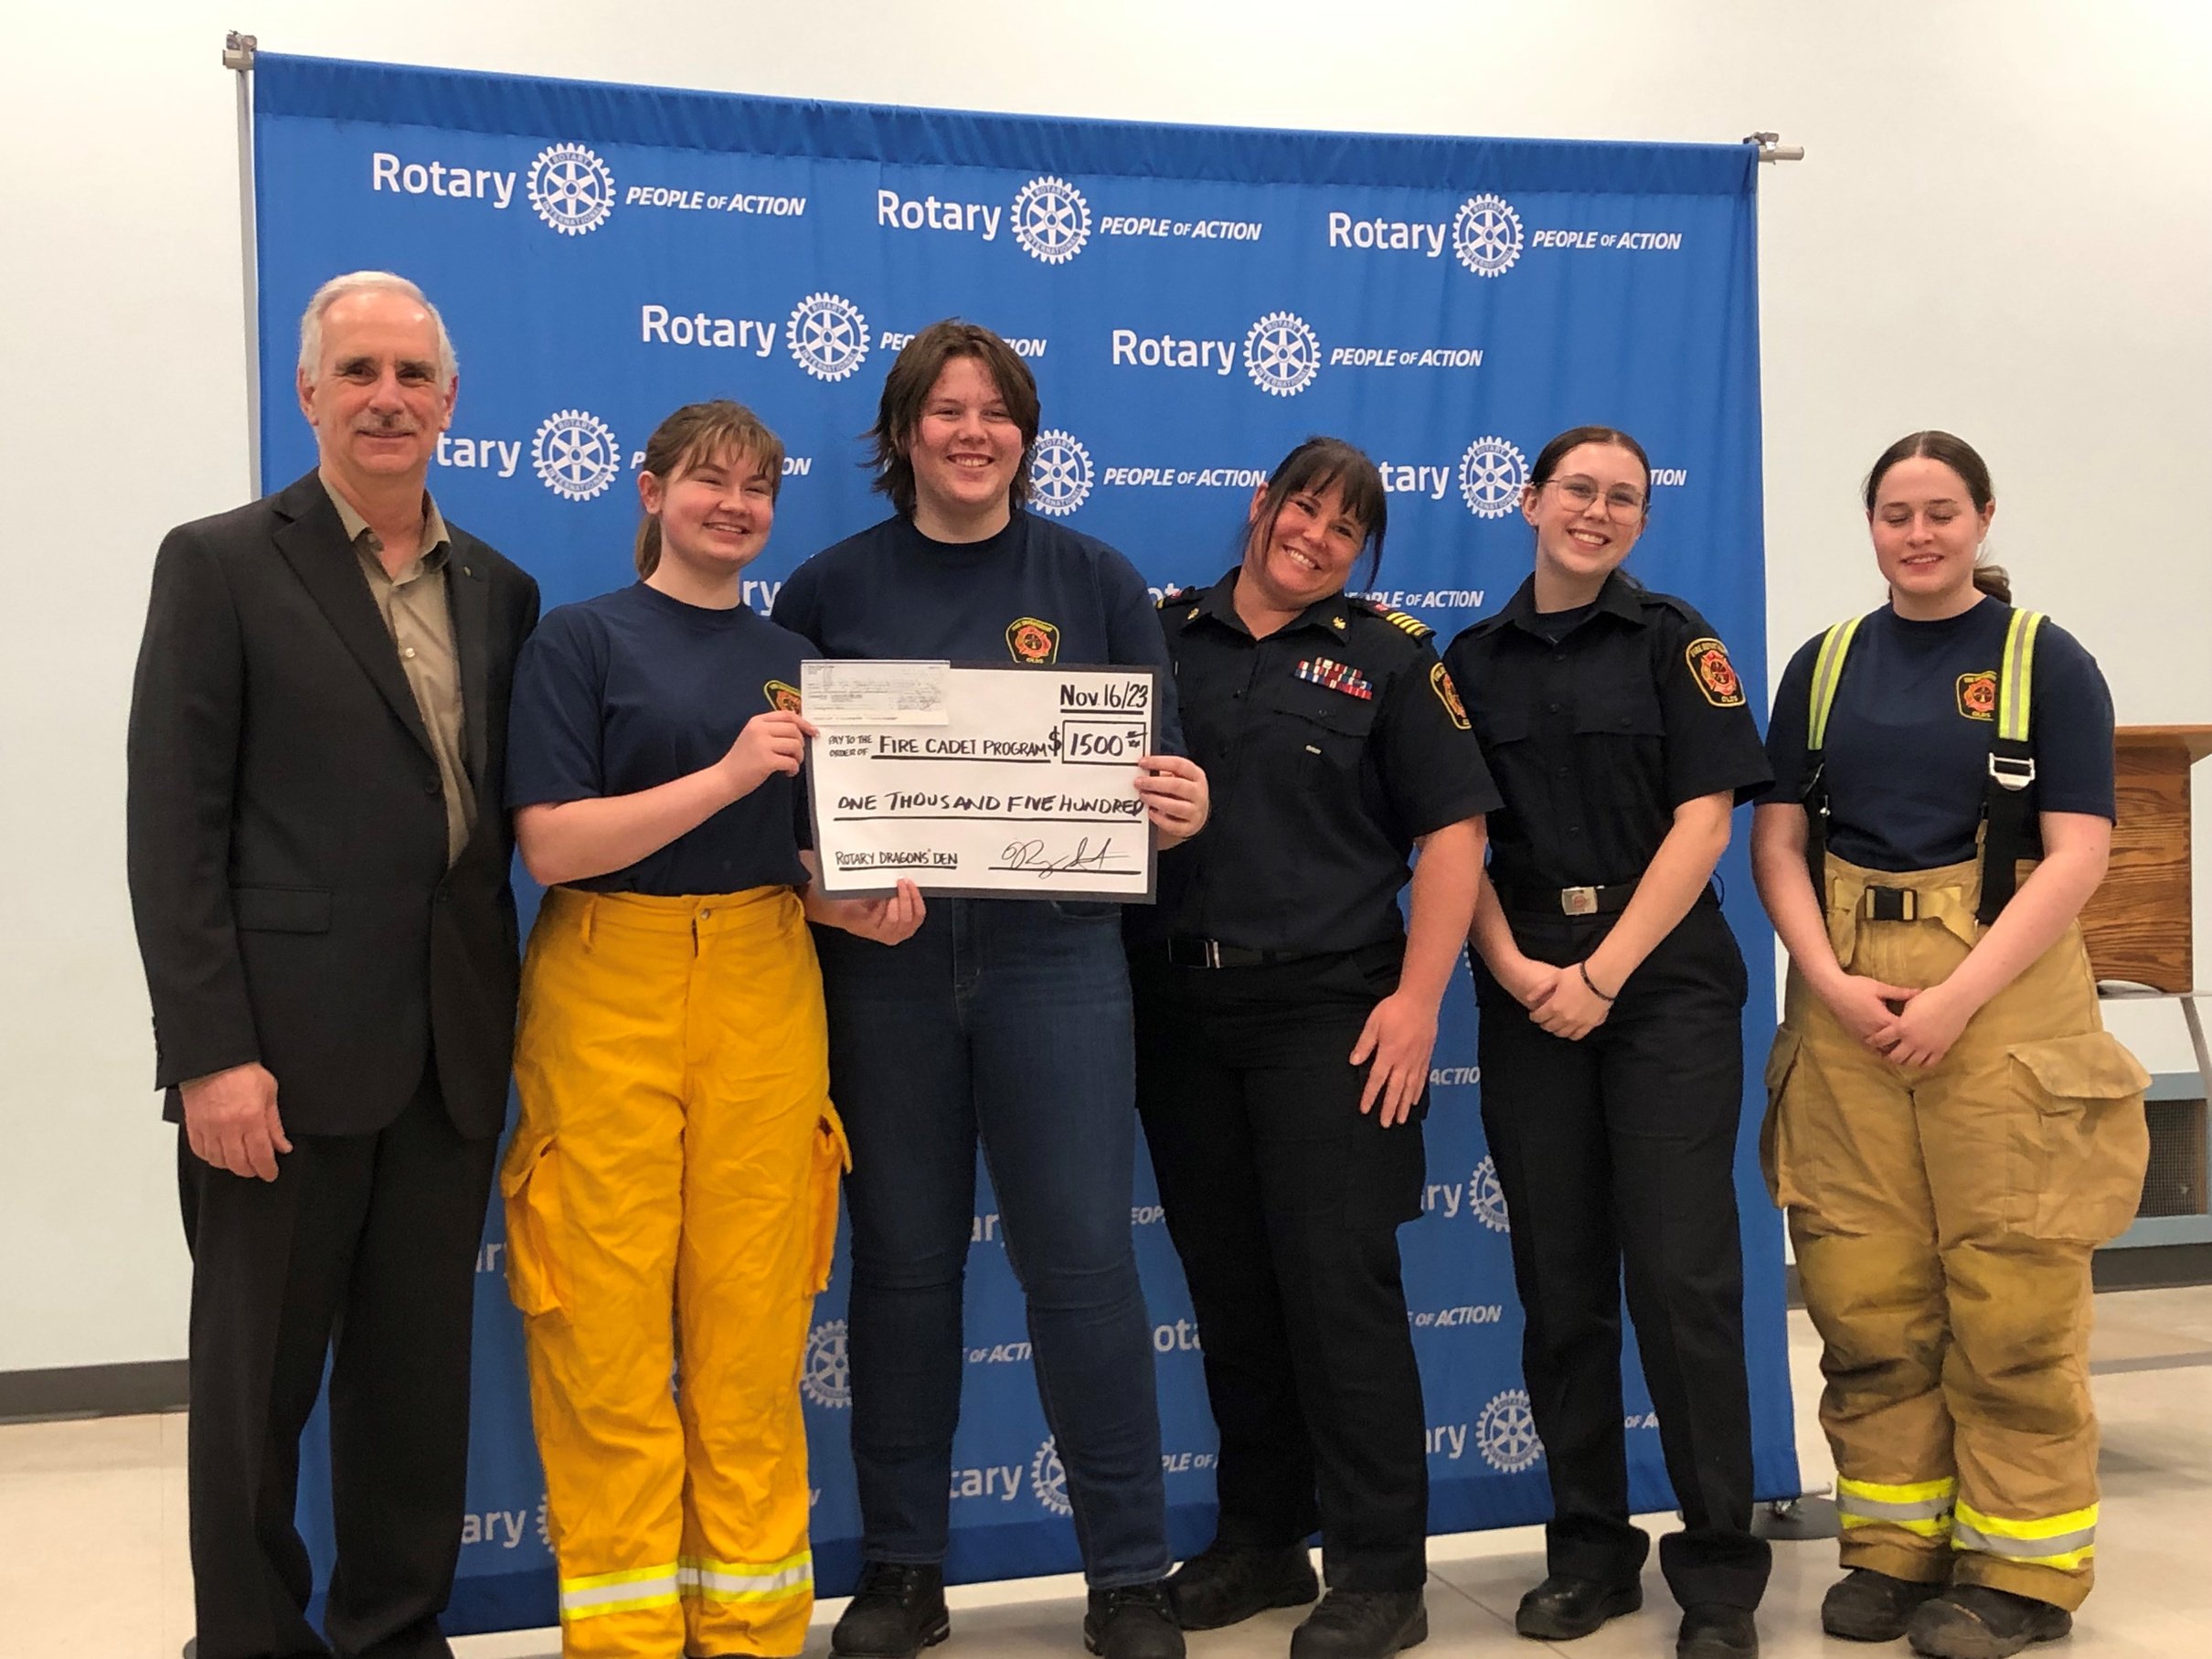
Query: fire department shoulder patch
point(1715, 674)
point(1032, 640)
point(782, 696)
point(1978, 696)
point(1440, 682)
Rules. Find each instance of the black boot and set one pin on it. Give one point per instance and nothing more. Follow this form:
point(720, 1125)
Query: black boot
point(1133, 1622)
point(1712, 1631)
point(1864, 1605)
point(1227, 1583)
point(1975, 1621)
point(1361, 1624)
point(1562, 1608)
point(897, 1611)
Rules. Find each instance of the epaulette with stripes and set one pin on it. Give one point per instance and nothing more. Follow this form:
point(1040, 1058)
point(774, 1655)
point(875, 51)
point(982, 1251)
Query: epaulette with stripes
point(1413, 625)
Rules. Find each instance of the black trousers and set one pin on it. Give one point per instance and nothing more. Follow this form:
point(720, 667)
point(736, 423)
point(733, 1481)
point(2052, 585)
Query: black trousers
point(363, 1249)
point(1285, 1204)
point(1616, 1153)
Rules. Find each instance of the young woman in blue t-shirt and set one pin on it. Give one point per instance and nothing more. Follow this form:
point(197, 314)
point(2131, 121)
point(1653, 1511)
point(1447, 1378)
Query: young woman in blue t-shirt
point(671, 1186)
point(1952, 1132)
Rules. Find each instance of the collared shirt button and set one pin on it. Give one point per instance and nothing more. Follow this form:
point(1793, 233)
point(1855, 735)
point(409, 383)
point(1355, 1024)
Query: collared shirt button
point(407, 651)
point(431, 786)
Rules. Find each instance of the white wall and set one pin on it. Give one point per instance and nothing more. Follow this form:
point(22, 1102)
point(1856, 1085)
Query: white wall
point(2004, 227)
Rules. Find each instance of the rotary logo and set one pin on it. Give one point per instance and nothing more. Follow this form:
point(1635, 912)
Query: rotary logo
point(1486, 1198)
point(1051, 220)
point(1491, 472)
point(1059, 473)
point(571, 188)
point(1487, 235)
point(827, 336)
point(575, 454)
point(823, 1376)
point(1282, 354)
point(1048, 1479)
point(1505, 1433)
point(544, 1520)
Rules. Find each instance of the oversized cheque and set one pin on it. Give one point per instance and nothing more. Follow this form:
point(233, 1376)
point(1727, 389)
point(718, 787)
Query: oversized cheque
point(1002, 781)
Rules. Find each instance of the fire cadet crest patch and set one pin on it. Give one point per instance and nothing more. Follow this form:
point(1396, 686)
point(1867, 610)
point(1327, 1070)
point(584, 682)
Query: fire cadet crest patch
point(1440, 682)
point(782, 696)
point(1978, 696)
point(1715, 674)
point(1032, 640)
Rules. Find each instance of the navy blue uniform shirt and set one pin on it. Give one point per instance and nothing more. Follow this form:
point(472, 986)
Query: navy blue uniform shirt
point(1329, 746)
point(1907, 742)
point(1035, 592)
point(1596, 736)
point(634, 689)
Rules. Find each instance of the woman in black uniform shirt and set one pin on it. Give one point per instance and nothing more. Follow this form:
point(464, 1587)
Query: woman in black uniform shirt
point(1284, 1021)
point(1611, 1044)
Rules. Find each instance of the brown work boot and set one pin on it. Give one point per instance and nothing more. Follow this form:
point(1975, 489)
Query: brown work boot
point(1975, 1621)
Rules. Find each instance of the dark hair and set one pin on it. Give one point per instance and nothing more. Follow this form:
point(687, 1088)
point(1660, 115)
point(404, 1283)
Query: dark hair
point(692, 437)
point(1961, 458)
point(907, 387)
point(1312, 468)
point(1574, 438)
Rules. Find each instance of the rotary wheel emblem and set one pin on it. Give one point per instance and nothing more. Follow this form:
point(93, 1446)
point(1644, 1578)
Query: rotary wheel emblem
point(1051, 220)
point(1487, 235)
point(1491, 472)
point(1282, 354)
point(827, 336)
point(571, 188)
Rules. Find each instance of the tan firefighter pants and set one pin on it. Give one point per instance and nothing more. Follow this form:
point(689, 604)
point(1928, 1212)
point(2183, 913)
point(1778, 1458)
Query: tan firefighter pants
point(1943, 1221)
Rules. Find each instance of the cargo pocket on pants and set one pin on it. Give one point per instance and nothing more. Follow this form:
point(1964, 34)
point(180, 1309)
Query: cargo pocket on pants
point(1782, 1059)
point(530, 1185)
point(2089, 1143)
point(833, 1157)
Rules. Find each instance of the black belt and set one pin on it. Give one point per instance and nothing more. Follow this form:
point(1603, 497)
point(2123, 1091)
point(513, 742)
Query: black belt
point(1189, 951)
point(1570, 901)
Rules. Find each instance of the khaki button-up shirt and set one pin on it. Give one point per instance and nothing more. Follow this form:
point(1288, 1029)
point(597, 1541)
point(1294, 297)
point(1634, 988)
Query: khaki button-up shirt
point(418, 617)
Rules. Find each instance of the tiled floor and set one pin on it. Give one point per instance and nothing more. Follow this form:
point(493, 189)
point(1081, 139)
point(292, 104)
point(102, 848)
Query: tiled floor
point(92, 1538)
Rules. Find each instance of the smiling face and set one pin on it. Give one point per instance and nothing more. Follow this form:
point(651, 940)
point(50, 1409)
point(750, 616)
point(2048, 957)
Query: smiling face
point(1305, 552)
point(714, 514)
point(1588, 514)
point(964, 449)
point(376, 399)
point(1926, 534)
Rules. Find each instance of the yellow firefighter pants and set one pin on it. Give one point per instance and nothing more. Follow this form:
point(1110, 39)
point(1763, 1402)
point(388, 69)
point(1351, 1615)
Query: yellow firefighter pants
point(1944, 1220)
point(672, 1201)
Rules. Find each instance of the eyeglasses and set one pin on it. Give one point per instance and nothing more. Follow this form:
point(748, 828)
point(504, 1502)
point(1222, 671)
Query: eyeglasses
point(1623, 505)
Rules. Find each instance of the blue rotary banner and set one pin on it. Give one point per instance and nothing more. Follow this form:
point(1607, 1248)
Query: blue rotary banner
point(1193, 301)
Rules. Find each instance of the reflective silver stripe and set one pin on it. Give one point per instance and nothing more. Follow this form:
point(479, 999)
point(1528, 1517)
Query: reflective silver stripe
point(749, 1584)
point(1965, 1536)
point(1827, 670)
point(2016, 674)
point(1874, 1509)
point(627, 1589)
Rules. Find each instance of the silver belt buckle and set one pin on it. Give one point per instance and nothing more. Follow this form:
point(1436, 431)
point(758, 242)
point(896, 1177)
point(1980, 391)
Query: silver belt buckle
point(1578, 902)
point(1213, 952)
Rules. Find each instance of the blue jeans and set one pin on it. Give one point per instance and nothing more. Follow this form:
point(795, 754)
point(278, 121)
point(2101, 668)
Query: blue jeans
point(1005, 1021)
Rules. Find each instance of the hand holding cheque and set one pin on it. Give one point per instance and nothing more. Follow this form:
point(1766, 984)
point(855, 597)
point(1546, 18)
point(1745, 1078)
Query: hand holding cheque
point(998, 781)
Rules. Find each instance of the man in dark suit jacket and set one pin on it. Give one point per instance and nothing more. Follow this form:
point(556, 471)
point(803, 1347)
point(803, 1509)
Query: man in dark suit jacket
point(318, 864)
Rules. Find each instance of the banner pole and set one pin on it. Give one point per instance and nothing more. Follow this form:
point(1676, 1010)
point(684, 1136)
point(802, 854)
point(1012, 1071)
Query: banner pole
point(238, 57)
point(1772, 148)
